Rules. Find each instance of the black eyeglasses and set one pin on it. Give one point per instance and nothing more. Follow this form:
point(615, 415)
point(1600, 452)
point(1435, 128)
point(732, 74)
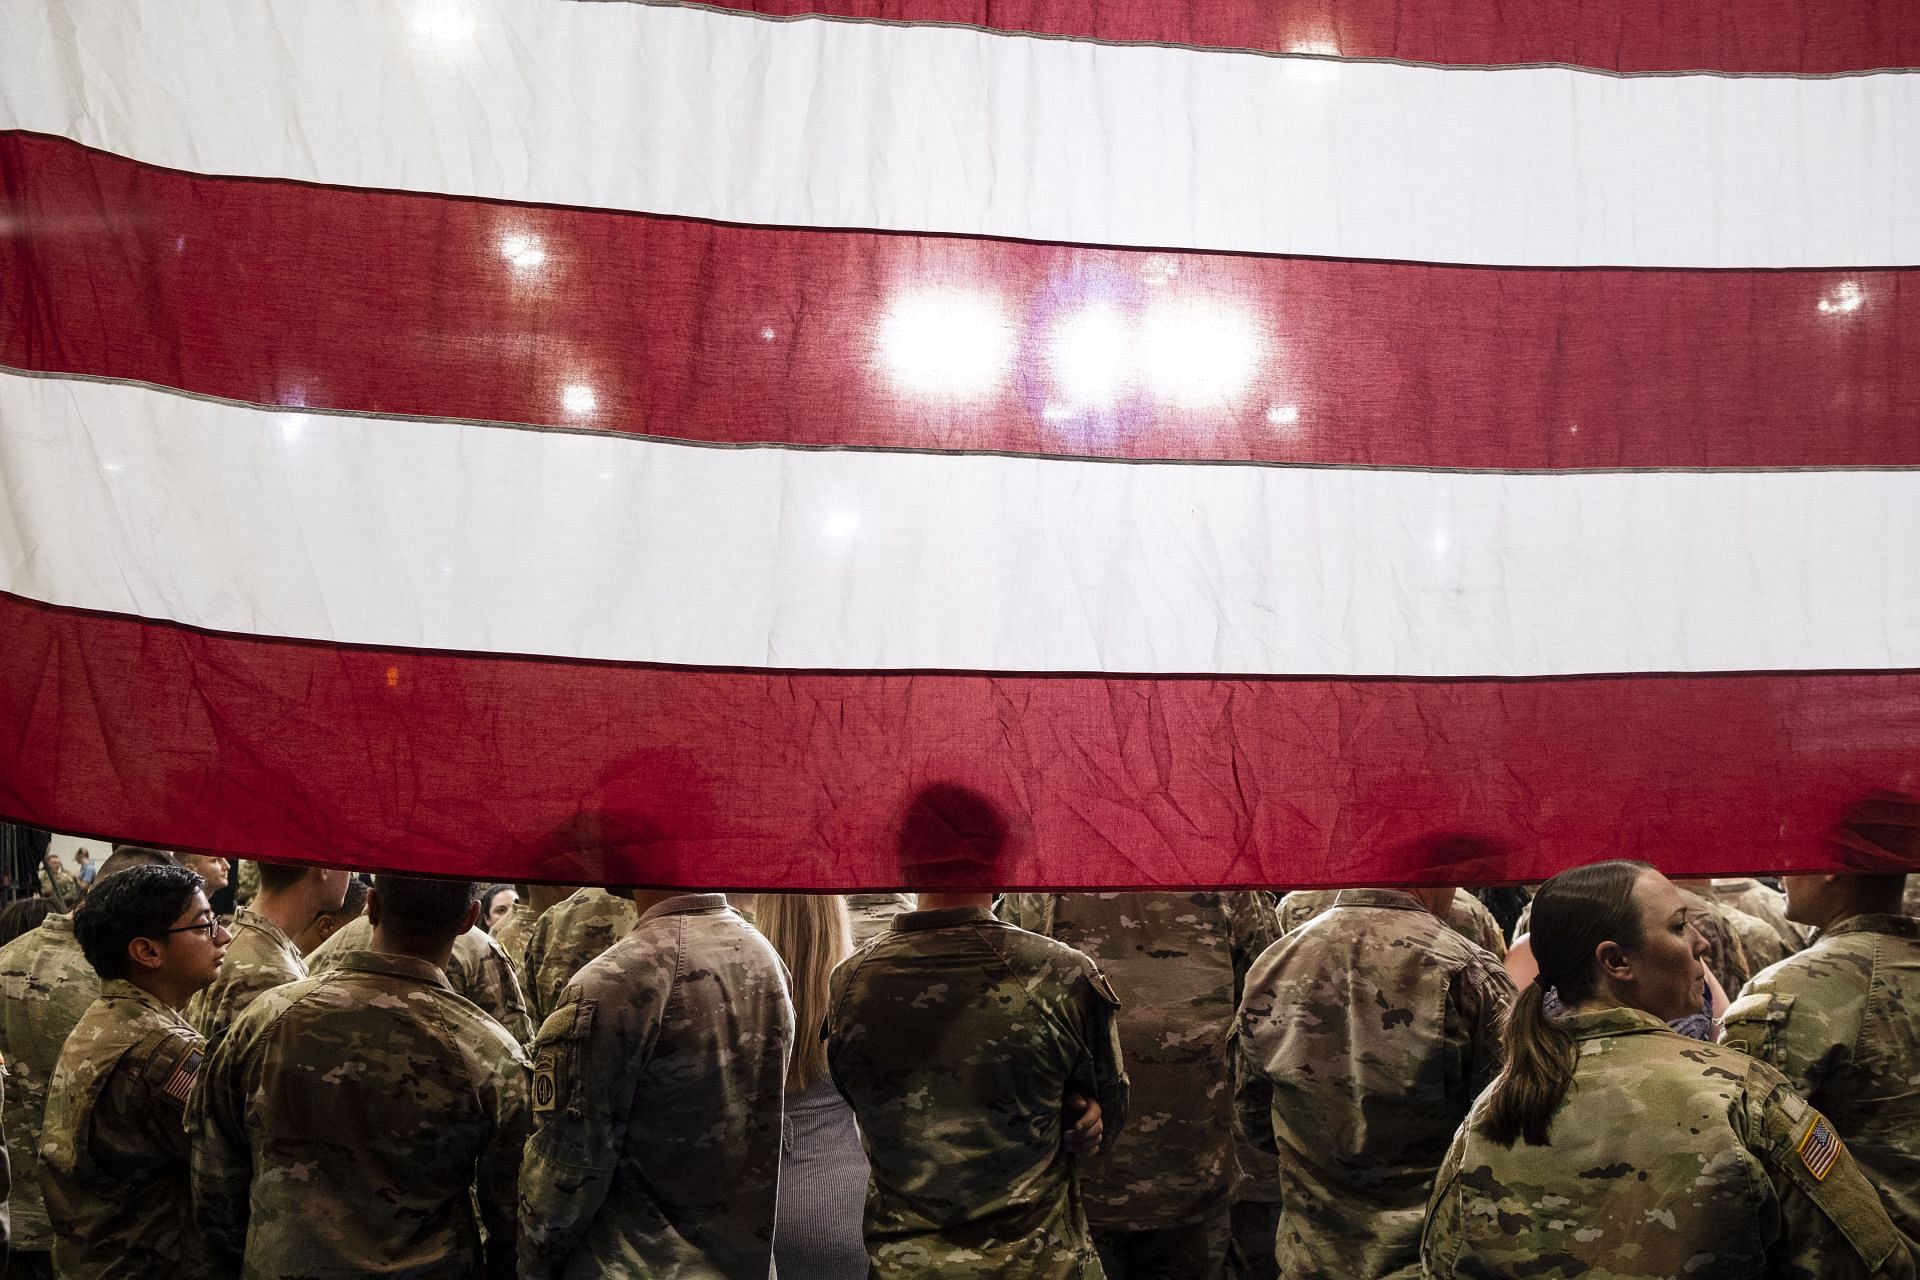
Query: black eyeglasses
point(206, 928)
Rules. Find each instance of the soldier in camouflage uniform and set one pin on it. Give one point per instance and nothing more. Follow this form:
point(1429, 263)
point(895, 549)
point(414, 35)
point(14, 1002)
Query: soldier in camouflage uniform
point(1709, 918)
point(1365, 1035)
point(246, 882)
point(1767, 905)
point(1669, 1158)
point(46, 985)
point(59, 884)
point(1611, 1147)
point(113, 1153)
point(871, 913)
point(516, 930)
point(328, 923)
point(657, 1094)
point(351, 1123)
point(566, 938)
point(1158, 1198)
point(478, 969)
point(1468, 916)
point(1755, 939)
point(1841, 1021)
point(263, 955)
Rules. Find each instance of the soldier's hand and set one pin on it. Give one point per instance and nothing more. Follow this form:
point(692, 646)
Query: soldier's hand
point(1082, 1115)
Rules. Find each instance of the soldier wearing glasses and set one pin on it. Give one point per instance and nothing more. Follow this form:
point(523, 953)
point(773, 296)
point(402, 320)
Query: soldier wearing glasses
point(114, 1152)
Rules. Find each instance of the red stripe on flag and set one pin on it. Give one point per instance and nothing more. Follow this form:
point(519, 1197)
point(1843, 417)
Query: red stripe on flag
point(505, 768)
point(1805, 36)
point(281, 293)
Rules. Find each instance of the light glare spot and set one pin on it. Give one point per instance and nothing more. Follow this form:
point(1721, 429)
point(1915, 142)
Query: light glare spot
point(841, 523)
point(522, 252)
point(947, 343)
point(1196, 354)
point(1847, 298)
point(1283, 415)
point(578, 398)
point(1089, 356)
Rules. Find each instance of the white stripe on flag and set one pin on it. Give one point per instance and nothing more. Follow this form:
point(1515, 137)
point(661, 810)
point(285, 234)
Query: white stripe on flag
point(495, 539)
point(724, 116)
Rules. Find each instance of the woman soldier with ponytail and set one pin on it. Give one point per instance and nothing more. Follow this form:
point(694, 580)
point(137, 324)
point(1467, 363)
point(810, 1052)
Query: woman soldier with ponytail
point(1611, 1147)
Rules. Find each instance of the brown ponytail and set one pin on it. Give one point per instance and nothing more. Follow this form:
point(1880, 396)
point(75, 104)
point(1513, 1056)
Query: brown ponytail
point(1573, 914)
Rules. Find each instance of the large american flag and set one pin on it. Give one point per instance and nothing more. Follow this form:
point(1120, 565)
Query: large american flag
point(1330, 442)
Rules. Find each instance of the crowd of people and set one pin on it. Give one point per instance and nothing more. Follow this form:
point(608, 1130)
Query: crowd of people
point(1611, 1075)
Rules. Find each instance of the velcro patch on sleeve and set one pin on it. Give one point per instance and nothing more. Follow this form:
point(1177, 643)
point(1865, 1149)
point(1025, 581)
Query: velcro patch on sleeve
point(180, 1084)
point(1819, 1147)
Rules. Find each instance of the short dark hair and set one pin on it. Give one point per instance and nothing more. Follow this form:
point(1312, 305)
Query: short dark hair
point(353, 904)
point(277, 877)
point(140, 902)
point(23, 916)
point(422, 911)
point(132, 855)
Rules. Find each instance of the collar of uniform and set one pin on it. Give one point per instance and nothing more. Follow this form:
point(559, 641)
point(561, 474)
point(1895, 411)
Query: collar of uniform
point(247, 918)
point(58, 922)
point(397, 966)
point(684, 903)
point(1619, 1021)
point(943, 918)
point(1399, 898)
point(1899, 926)
point(121, 989)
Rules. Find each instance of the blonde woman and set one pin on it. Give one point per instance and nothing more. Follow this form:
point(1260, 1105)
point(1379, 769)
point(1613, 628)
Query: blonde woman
point(823, 1171)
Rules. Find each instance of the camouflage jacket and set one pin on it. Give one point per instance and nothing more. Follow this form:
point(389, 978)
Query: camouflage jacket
point(62, 886)
point(1841, 1021)
point(1766, 905)
point(113, 1154)
point(349, 1123)
point(46, 985)
point(512, 935)
point(871, 913)
point(479, 970)
point(1668, 1158)
point(260, 958)
point(955, 1037)
point(1178, 962)
point(657, 1093)
point(567, 937)
point(1469, 916)
point(1365, 1036)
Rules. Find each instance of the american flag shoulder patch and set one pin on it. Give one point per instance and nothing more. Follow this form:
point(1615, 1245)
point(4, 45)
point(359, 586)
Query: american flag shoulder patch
point(180, 1083)
point(1819, 1147)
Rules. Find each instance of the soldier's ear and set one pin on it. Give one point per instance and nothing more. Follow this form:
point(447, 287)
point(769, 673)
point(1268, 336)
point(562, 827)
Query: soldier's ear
point(1614, 961)
point(145, 953)
point(473, 913)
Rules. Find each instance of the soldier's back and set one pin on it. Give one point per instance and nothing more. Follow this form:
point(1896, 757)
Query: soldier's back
point(1365, 1035)
point(663, 1070)
point(568, 936)
point(343, 1117)
point(478, 969)
point(1841, 1020)
point(956, 1037)
point(1667, 1158)
point(869, 914)
point(1177, 961)
point(259, 958)
point(46, 986)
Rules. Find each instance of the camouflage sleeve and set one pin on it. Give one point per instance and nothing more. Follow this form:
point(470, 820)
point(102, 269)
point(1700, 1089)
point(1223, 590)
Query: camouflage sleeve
point(580, 1112)
point(1480, 999)
point(1440, 1235)
point(1017, 910)
point(1252, 1106)
point(222, 1159)
point(1107, 1069)
point(1832, 1223)
point(1253, 922)
point(496, 1184)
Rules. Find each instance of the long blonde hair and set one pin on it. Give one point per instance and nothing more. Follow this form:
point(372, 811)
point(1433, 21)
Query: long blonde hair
point(811, 933)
